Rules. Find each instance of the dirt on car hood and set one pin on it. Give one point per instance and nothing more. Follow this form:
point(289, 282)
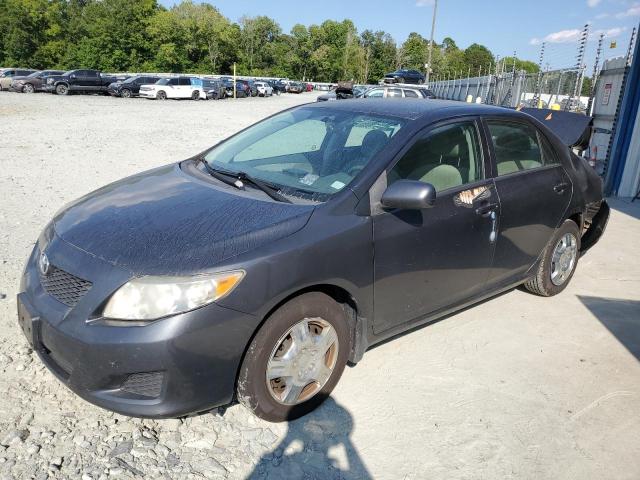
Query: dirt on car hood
point(165, 221)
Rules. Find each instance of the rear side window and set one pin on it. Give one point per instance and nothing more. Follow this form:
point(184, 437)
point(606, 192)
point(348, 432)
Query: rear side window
point(446, 157)
point(517, 147)
point(185, 81)
point(410, 93)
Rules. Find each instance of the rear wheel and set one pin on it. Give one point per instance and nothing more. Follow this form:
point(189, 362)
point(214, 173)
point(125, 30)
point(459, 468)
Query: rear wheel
point(296, 358)
point(125, 93)
point(28, 88)
point(195, 95)
point(558, 263)
point(161, 95)
point(400, 80)
point(62, 89)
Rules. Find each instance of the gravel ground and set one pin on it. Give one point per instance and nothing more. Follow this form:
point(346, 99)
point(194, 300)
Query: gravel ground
point(517, 387)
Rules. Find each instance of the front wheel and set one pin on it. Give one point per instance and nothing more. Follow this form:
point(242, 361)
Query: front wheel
point(558, 263)
point(296, 358)
point(125, 93)
point(28, 88)
point(161, 95)
point(62, 89)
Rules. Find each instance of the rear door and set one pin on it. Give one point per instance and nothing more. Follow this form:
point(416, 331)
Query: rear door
point(426, 261)
point(534, 192)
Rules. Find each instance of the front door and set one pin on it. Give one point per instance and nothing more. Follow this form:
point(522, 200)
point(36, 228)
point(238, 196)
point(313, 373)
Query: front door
point(534, 192)
point(428, 260)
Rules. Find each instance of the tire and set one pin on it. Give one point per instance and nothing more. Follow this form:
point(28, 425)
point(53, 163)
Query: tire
point(400, 80)
point(311, 313)
point(558, 264)
point(28, 88)
point(420, 82)
point(195, 95)
point(125, 93)
point(62, 89)
point(161, 95)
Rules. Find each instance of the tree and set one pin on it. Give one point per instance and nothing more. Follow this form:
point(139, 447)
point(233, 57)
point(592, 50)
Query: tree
point(476, 56)
point(414, 52)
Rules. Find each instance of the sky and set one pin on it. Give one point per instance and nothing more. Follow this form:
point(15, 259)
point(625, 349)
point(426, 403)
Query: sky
point(504, 26)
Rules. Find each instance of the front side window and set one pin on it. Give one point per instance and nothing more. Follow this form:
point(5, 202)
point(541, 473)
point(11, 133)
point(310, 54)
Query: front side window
point(410, 94)
point(375, 93)
point(516, 147)
point(314, 151)
point(394, 92)
point(446, 157)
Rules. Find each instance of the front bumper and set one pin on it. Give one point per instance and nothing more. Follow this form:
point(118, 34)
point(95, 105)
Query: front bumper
point(175, 366)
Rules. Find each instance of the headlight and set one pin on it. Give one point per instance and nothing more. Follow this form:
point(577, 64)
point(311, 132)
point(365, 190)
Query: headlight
point(149, 298)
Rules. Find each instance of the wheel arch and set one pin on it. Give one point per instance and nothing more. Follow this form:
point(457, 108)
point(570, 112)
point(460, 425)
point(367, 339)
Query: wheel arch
point(357, 324)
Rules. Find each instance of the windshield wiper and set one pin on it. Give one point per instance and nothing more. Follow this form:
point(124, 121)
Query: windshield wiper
point(243, 177)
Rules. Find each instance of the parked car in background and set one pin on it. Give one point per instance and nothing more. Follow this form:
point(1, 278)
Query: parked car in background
point(404, 76)
point(357, 91)
point(81, 81)
point(398, 91)
point(243, 89)
point(256, 270)
point(214, 89)
point(296, 87)
point(8, 74)
point(131, 86)
point(278, 86)
point(309, 87)
point(264, 89)
point(34, 82)
point(174, 88)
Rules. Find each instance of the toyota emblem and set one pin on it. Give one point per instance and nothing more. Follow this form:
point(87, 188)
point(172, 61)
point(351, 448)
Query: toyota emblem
point(44, 264)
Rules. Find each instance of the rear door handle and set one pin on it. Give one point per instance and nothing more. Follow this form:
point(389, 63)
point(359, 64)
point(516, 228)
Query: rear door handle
point(486, 208)
point(560, 188)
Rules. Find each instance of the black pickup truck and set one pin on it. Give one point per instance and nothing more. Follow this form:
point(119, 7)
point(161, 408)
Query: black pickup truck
point(81, 81)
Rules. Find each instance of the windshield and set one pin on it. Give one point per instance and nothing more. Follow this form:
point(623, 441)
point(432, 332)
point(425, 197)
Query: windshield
point(316, 151)
point(130, 79)
point(34, 74)
point(163, 81)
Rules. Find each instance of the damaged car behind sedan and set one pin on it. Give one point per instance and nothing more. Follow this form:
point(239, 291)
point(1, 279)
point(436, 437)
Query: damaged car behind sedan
point(247, 272)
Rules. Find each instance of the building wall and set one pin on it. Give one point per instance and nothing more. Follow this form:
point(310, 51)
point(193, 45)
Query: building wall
point(630, 183)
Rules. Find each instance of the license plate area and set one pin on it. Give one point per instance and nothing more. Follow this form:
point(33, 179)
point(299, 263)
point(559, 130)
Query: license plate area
point(28, 322)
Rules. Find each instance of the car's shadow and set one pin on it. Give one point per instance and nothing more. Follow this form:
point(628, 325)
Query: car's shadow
point(620, 317)
point(317, 445)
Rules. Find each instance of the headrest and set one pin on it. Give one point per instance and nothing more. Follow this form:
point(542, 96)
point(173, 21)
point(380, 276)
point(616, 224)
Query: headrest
point(514, 141)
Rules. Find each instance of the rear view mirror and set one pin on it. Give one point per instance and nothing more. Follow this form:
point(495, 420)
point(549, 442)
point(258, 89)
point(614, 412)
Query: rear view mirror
point(409, 195)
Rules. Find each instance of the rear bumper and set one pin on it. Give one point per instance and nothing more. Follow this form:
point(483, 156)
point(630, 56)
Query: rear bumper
point(598, 224)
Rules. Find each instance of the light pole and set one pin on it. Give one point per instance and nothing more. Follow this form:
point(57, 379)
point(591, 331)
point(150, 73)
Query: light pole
point(433, 29)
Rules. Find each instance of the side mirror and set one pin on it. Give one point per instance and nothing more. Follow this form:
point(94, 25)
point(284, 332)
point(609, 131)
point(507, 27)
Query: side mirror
point(409, 195)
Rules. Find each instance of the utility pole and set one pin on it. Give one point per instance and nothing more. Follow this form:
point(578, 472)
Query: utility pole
point(433, 29)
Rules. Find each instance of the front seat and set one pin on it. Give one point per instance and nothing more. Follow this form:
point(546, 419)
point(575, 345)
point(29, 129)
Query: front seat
point(442, 176)
point(372, 143)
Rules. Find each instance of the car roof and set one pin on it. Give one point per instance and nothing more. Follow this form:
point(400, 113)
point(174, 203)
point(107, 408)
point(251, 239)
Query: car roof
point(413, 109)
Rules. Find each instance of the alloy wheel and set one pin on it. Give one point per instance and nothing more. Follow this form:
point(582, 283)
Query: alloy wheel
point(28, 88)
point(302, 361)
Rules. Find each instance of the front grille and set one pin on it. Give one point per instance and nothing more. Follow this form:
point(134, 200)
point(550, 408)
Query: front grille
point(147, 384)
point(64, 287)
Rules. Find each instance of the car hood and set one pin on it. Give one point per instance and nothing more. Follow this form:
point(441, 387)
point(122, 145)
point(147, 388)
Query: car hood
point(167, 222)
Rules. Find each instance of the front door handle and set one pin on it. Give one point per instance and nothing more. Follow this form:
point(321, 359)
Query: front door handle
point(560, 188)
point(486, 208)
